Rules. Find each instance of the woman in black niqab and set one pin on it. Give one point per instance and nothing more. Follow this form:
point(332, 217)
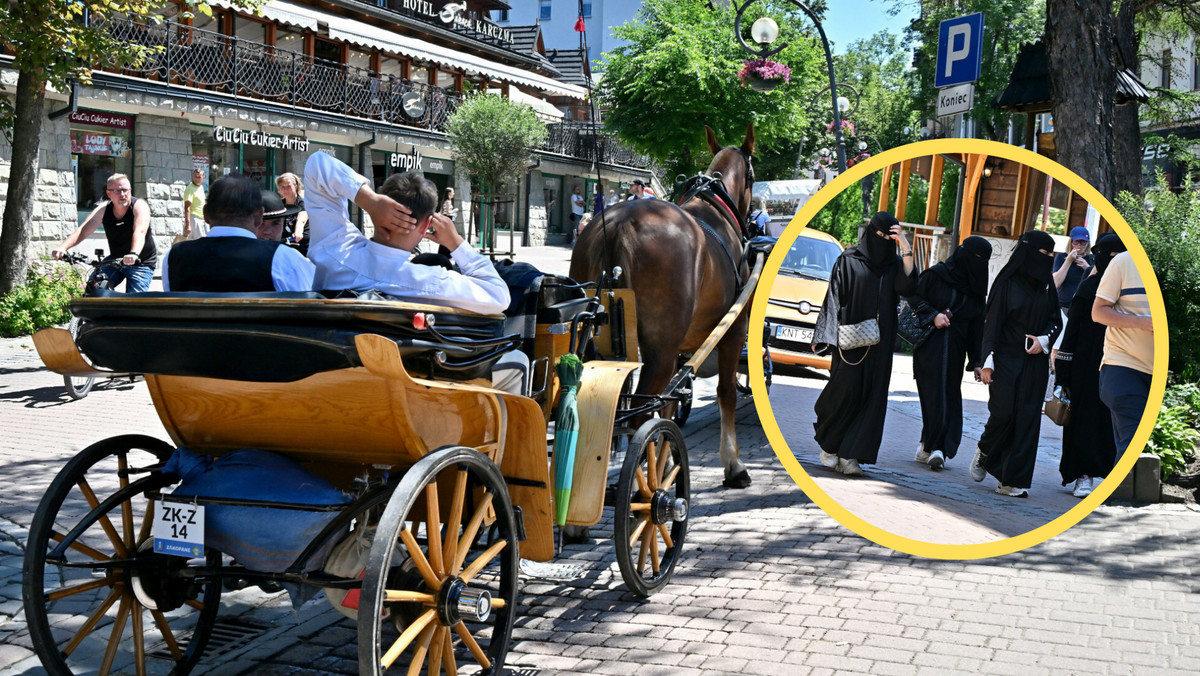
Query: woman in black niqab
point(866, 283)
point(1089, 451)
point(1021, 323)
point(950, 297)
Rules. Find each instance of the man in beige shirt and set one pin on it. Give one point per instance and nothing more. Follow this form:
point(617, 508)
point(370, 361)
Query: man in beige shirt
point(1122, 305)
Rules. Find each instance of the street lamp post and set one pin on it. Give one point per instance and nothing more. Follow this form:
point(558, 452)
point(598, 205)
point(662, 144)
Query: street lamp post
point(764, 31)
point(843, 107)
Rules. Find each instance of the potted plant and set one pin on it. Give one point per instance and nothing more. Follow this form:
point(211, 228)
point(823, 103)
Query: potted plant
point(763, 75)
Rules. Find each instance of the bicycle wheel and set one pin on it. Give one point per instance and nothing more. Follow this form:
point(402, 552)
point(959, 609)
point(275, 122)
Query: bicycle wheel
point(107, 603)
point(77, 388)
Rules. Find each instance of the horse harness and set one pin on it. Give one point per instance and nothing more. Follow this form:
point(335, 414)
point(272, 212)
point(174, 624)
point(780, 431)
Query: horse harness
point(710, 189)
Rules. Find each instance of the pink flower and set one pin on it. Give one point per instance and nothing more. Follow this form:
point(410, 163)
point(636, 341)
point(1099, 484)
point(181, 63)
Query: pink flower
point(765, 69)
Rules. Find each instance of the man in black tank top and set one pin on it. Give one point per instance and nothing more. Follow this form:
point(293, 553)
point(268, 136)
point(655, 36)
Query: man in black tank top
point(231, 258)
point(126, 221)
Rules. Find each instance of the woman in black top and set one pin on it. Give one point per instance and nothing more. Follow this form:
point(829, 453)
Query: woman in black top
point(950, 297)
point(295, 230)
point(1089, 451)
point(866, 283)
point(1022, 322)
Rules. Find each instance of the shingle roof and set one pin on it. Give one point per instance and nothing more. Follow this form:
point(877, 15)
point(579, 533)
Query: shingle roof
point(573, 65)
point(1028, 89)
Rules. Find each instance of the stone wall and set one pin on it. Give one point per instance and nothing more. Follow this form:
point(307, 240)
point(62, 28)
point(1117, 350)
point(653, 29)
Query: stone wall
point(539, 223)
point(54, 211)
point(162, 168)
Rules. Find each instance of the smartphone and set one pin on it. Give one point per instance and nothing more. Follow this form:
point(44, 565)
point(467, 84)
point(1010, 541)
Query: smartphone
point(1029, 343)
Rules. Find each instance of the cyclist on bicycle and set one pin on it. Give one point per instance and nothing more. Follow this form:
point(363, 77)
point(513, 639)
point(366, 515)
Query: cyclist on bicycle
point(126, 221)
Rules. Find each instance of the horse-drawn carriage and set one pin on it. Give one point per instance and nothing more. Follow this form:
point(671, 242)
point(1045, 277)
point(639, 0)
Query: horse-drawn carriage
point(396, 478)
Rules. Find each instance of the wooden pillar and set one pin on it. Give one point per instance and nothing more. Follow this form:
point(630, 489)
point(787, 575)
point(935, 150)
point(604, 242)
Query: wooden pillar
point(885, 188)
point(902, 189)
point(935, 190)
point(1022, 201)
point(972, 177)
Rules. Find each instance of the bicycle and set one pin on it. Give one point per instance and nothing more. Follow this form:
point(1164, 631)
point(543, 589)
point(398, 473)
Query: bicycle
point(78, 387)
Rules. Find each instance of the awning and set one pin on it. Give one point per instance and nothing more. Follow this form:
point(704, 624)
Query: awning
point(543, 107)
point(366, 35)
point(282, 12)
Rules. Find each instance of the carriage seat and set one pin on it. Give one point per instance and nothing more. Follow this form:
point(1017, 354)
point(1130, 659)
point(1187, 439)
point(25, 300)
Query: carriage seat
point(279, 336)
point(548, 299)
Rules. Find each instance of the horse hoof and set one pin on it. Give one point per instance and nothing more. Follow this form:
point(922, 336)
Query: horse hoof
point(740, 479)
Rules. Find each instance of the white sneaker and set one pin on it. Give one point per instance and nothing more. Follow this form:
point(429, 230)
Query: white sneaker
point(829, 460)
point(936, 461)
point(922, 454)
point(1012, 491)
point(978, 472)
point(1083, 487)
point(849, 467)
point(1096, 481)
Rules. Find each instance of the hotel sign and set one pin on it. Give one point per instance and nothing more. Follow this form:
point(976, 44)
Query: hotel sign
point(451, 15)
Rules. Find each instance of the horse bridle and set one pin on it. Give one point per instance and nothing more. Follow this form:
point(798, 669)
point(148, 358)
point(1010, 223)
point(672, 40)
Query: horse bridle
point(710, 189)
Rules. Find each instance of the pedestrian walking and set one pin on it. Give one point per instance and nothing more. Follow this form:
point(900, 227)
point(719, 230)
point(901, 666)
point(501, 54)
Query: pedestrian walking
point(951, 298)
point(1088, 451)
point(1022, 322)
point(194, 226)
point(864, 287)
point(1123, 306)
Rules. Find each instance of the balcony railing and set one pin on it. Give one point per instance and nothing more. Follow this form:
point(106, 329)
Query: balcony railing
point(229, 65)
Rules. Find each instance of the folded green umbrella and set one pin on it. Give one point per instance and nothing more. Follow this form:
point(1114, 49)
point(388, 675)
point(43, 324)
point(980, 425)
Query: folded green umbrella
point(566, 434)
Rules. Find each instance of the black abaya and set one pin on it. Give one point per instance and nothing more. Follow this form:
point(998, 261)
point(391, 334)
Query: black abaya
point(1088, 445)
point(851, 409)
point(1019, 305)
point(938, 362)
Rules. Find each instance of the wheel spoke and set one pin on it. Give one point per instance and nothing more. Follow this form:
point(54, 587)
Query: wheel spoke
point(664, 452)
point(670, 480)
point(126, 506)
point(80, 588)
point(639, 506)
point(414, 667)
point(92, 621)
point(114, 640)
point(666, 535)
point(464, 544)
point(400, 596)
point(419, 560)
point(651, 465)
point(406, 637)
point(498, 604)
point(472, 645)
point(433, 529)
point(168, 637)
point(637, 531)
point(448, 660)
point(90, 495)
point(147, 522)
point(139, 640)
point(80, 547)
point(643, 549)
point(435, 650)
point(490, 553)
point(195, 604)
point(655, 562)
point(641, 482)
point(455, 522)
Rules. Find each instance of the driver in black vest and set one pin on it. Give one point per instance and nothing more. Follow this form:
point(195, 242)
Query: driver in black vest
point(231, 258)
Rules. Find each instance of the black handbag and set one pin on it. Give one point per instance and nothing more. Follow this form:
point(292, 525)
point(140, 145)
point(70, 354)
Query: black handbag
point(908, 324)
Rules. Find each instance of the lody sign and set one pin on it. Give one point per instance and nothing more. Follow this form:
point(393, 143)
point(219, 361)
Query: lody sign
point(959, 51)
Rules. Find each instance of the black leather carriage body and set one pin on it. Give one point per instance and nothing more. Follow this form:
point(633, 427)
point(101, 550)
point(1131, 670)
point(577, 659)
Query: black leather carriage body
point(279, 336)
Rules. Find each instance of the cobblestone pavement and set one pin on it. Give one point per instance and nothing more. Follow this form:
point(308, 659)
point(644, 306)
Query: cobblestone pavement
point(768, 584)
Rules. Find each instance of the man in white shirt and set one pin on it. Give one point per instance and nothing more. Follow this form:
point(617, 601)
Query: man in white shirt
point(346, 259)
point(231, 258)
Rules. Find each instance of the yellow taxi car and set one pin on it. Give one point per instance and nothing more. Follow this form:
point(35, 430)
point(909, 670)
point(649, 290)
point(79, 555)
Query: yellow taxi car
point(796, 299)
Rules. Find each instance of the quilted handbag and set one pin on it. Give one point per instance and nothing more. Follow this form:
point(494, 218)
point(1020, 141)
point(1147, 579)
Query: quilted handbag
point(862, 334)
point(908, 323)
point(1058, 408)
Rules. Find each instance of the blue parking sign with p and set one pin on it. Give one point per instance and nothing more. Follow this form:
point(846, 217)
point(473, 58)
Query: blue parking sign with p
point(960, 50)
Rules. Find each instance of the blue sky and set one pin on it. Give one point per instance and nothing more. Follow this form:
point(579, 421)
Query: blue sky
point(850, 20)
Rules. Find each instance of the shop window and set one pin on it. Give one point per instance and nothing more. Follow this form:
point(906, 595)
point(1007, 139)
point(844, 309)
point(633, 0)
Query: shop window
point(289, 41)
point(420, 74)
point(250, 31)
point(502, 16)
point(101, 145)
point(329, 51)
point(359, 59)
point(445, 80)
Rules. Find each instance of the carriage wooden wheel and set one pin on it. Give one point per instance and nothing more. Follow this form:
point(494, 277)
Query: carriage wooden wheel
point(653, 494)
point(440, 587)
point(104, 600)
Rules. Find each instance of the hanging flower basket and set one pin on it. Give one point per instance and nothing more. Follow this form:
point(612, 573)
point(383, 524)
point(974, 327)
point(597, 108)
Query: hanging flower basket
point(763, 75)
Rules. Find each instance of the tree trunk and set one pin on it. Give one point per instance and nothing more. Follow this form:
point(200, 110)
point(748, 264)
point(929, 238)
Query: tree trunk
point(1127, 149)
point(1079, 50)
point(22, 181)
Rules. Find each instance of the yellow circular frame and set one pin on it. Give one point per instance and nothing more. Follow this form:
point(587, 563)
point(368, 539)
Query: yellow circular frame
point(1072, 516)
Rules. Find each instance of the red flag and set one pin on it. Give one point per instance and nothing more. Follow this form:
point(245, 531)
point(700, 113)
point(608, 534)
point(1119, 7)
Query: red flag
point(579, 27)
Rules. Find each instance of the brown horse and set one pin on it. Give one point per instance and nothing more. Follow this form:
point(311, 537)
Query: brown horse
point(685, 267)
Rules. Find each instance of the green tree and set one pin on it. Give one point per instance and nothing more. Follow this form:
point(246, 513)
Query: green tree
point(678, 72)
point(55, 47)
point(493, 137)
